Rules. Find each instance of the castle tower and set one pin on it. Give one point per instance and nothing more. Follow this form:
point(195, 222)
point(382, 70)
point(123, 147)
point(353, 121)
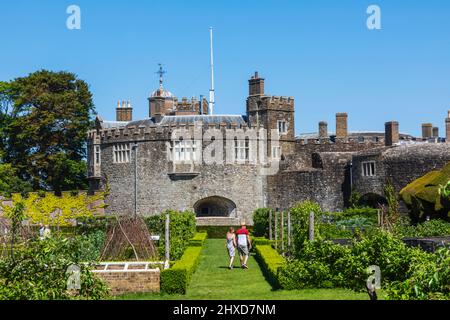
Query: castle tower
point(341, 125)
point(427, 130)
point(271, 112)
point(391, 133)
point(124, 111)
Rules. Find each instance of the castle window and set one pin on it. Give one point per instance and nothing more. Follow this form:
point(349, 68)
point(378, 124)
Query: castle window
point(97, 154)
point(276, 152)
point(185, 150)
point(122, 153)
point(241, 149)
point(368, 169)
point(282, 126)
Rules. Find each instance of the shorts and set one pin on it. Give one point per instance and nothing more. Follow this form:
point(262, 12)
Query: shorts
point(243, 250)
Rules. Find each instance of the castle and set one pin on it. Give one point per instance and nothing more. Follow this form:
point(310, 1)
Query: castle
point(149, 167)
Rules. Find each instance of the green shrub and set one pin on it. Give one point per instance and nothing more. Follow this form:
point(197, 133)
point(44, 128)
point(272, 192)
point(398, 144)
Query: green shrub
point(428, 279)
point(182, 229)
point(319, 265)
point(218, 232)
point(38, 272)
point(91, 245)
point(424, 195)
point(176, 279)
point(198, 240)
point(270, 261)
point(300, 222)
point(261, 222)
point(322, 264)
point(432, 228)
point(261, 241)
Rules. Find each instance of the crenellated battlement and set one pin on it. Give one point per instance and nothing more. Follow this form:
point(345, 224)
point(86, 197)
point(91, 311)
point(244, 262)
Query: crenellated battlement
point(164, 132)
point(278, 102)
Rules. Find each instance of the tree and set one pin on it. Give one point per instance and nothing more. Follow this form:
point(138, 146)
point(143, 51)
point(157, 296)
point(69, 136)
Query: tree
point(10, 182)
point(47, 127)
point(6, 96)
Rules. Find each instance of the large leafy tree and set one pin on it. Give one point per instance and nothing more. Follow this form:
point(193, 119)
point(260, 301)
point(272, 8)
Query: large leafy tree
point(47, 121)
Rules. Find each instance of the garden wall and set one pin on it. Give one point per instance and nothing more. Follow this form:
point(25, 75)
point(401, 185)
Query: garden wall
point(131, 281)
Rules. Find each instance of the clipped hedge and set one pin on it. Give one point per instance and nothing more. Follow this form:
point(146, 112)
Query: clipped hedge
point(424, 195)
point(219, 232)
point(198, 240)
point(261, 241)
point(270, 261)
point(176, 279)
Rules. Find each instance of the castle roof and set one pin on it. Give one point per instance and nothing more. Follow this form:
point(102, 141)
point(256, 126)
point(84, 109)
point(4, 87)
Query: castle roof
point(162, 93)
point(206, 119)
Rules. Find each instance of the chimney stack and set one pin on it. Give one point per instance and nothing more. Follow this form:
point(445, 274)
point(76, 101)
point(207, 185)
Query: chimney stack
point(256, 85)
point(435, 132)
point(124, 111)
point(427, 130)
point(323, 130)
point(391, 133)
point(341, 125)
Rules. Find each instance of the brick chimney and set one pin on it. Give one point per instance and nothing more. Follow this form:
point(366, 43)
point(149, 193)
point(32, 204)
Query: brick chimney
point(435, 132)
point(341, 125)
point(391, 133)
point(124, 111)
point(427, 130)
point(323, 130)
point(256, 85)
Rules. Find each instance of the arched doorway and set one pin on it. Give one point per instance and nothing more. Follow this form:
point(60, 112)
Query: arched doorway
point(215, 207)
point(372, 200)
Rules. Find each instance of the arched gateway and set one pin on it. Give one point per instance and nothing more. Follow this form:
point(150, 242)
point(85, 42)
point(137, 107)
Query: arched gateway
point(215, 207)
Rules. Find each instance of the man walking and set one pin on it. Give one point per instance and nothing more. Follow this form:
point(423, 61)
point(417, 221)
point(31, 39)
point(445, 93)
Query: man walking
point(243, 244)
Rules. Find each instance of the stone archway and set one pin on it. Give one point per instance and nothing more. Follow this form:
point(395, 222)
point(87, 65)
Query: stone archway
point(372, 200)
point(215, 207)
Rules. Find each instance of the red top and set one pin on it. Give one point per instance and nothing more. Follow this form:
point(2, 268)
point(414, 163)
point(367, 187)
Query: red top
point(242, 231)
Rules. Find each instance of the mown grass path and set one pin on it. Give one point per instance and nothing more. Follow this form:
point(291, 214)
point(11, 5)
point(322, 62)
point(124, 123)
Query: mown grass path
point(213, 281)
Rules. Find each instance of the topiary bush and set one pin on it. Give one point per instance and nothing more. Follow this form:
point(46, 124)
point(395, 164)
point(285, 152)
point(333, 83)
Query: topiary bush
point(425, 197)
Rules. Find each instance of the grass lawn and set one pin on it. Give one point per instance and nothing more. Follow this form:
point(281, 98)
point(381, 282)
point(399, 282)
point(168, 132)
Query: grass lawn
point(213, 281)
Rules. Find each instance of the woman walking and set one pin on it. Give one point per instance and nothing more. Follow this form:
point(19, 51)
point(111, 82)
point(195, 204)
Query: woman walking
point(231, 246)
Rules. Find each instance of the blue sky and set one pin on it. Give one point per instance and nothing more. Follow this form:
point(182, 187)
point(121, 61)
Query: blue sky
point(320, 52)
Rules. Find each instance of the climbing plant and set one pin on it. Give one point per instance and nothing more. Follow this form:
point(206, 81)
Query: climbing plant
point(57, 211)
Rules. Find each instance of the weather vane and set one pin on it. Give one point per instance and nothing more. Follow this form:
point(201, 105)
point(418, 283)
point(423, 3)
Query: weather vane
point(161, 73)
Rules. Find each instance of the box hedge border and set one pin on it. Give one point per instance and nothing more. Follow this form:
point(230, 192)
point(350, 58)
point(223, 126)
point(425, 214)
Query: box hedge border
point(270, 261)
point(177, 278)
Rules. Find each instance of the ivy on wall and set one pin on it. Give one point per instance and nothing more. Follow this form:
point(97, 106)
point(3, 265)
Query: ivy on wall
point(54, 210)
